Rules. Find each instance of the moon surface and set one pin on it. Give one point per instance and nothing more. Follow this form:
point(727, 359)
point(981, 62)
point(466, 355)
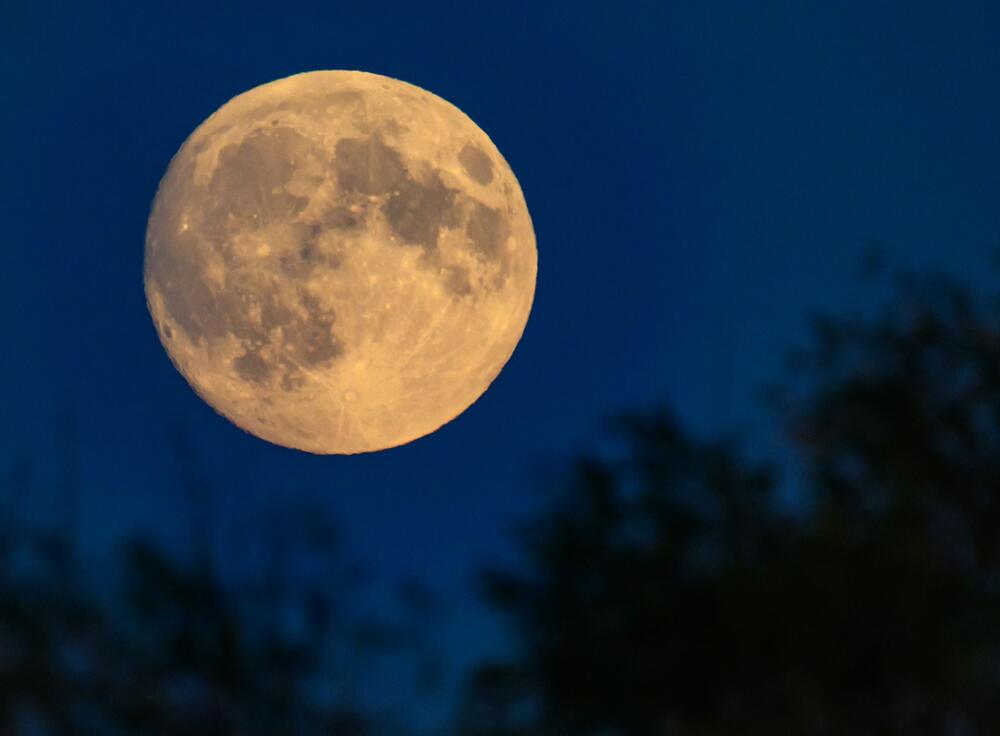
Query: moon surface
point(339, 262)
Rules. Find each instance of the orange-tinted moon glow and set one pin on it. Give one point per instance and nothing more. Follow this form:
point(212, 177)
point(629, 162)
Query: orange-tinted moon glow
point(339, 262)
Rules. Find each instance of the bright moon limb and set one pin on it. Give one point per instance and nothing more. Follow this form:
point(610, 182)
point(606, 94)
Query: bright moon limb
point(339, 262)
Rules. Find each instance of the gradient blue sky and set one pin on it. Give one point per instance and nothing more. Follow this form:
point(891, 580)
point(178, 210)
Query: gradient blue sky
point(701, 177)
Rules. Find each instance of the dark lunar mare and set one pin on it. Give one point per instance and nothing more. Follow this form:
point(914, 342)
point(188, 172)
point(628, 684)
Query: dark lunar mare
point(247, 191)
point(417, 211)
point(476, 164)
point(367, 165)
point(417, 205)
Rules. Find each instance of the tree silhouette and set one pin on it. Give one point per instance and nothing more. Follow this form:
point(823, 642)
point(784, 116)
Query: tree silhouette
point(183, 650)
point(673, 588)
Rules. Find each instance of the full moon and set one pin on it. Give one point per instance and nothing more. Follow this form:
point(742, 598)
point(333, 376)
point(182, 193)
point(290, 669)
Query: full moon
point(339, 262)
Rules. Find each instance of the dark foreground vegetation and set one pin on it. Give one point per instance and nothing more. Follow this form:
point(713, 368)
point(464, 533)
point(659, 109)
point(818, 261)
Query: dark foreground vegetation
point(672, 588)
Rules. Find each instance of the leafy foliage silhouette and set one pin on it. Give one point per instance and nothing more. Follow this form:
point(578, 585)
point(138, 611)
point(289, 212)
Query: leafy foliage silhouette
point(179, 649)
point(674, 587)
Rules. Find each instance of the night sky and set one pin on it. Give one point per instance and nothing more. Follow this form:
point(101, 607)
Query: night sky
point(701, 176)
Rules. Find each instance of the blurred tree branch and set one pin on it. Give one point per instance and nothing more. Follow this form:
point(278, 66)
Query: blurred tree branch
point(671, 590)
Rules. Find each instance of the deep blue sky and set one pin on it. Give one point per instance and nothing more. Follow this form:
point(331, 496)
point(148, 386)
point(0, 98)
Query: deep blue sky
point(701, 176)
